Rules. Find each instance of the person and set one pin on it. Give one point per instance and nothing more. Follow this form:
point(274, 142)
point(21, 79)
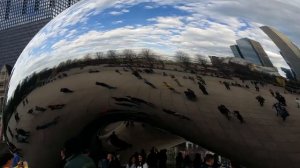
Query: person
point(239, 116)
point(72, 154)
point(187, 161)
point(152, 158)
point(224, 110)
point(22, 132)
point(208, 161)
point(190, 94)
point(217, 163)
point(112, 161)
point(17, 118)
point(280, 110)
point(256, 88)
point(280, 98)
point(226, 85)
point(179, 160)
point(197, 161)
point(298, 102)
point(21, 138)
point(261, 100)
point(202, 88)
point(162, 158)
point(6, 160)
point(141, 162)
point(272, 92)
point(132, 162)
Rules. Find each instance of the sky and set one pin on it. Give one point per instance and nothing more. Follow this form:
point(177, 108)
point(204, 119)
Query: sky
point(206, 27)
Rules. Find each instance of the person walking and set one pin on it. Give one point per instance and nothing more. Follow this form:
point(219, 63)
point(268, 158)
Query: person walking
point(73, 155)
point(197, 162)
point(261, 100)
point(141, 162)
point(152, 158)
point(202, 88)
point(208, 161)
point(179, 160)
point(132, 163)
point(187, 161)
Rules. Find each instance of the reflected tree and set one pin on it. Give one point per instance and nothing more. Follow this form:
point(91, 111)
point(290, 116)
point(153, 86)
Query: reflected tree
point(129, 56)
point(183, 58)
point(148, 56)
point(112, 56)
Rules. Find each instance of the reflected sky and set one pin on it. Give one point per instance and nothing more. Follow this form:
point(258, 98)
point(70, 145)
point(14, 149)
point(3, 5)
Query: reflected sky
point(206, 27)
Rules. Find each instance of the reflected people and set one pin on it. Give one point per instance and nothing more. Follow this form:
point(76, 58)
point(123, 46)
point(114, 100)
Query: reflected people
point(120, 76)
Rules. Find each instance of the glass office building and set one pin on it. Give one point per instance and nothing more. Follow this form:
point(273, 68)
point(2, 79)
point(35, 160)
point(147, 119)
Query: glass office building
point(252, 51)
point(20, 20)
point(289, 51)
point(236, 51)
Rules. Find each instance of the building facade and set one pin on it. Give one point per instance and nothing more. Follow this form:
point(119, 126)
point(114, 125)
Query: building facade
point(4, 80)
point(252, 51)
point(20, 20)
point(236, 51)
point(289, 51)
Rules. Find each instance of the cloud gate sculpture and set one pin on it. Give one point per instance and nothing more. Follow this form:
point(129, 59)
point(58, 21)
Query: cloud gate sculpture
point(101, 63)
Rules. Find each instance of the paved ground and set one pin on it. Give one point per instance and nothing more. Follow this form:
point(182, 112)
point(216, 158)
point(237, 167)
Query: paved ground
point(263, 141)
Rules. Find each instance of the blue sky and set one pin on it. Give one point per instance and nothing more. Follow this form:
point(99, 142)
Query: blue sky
point(206, 27)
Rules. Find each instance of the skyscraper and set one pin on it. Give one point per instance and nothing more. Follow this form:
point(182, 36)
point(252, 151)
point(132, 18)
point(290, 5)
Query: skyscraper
point(236, 51)
point(252, 51)
point(20, 20)
point(289, 51)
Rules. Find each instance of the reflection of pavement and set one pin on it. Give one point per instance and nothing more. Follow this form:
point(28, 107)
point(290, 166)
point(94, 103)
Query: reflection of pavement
point(262, 141)
point(141, 137)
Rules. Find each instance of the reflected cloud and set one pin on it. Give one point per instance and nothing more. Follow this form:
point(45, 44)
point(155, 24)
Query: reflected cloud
point(208, 28)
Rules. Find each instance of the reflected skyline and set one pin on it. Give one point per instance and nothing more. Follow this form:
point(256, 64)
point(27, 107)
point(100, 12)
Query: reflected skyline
point(205, 28)
point(167, 64)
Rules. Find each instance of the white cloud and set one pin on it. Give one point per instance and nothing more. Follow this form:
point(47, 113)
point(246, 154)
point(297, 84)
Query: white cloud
point(117, 22)
point(119, 12)
point(209, 28)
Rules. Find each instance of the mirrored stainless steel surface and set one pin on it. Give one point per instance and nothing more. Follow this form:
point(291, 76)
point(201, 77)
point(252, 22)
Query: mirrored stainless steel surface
point(167, 64)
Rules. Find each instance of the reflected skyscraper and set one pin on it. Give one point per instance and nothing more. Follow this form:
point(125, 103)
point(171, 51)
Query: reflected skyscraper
point(252, 51)
point(289, 51)
point(236, 51)
point(21, 20)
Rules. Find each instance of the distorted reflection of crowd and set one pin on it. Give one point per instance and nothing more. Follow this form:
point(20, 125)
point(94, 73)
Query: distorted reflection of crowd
point(74, 156)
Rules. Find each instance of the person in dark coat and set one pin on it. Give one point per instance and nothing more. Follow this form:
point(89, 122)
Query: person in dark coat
point(239, 116)
point(17, 118)
point(197, 162)
point(261, 100)
point(179, 160)
point(152, 158)
point(162, 158)
point(226, 84)
point(208, 161)
point(202, 88)
point(187, 162)
point(224, 110)
point(281, 110)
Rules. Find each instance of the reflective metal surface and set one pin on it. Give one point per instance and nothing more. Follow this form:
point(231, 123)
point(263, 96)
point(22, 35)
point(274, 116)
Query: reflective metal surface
point(101, 62)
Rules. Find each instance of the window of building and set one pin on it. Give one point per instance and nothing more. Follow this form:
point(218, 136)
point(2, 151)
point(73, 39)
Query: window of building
point(24, 8)
point(36, 5)
point(52, 3)
point(7, 9)
point(69, 3)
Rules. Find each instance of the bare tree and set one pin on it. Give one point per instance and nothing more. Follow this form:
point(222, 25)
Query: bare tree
point(112, 56)
point(148, 56)
point(183, 58)
point(201, 59)
point(129, 56)
point(99, 56)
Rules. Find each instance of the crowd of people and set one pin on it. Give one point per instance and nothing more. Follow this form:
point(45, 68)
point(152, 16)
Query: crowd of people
point(74, 156)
